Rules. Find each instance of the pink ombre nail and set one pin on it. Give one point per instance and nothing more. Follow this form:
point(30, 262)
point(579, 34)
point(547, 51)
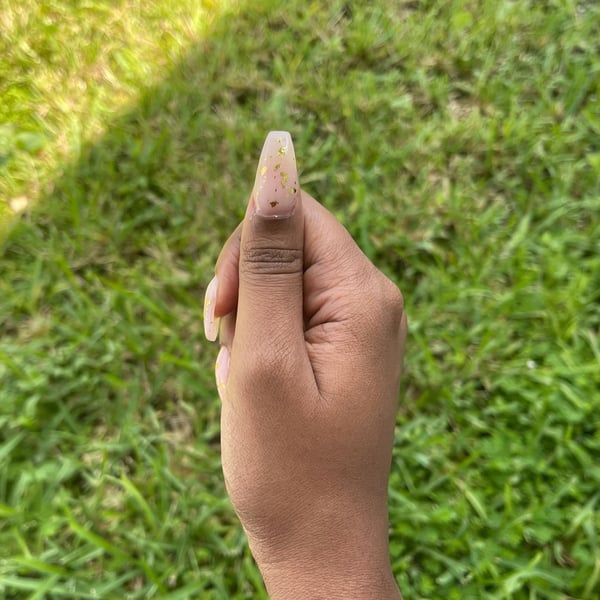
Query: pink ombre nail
point(276, 188)
point(211, 324)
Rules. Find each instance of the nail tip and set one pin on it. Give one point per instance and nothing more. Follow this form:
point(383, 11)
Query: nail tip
point(208, 334)
point(280, 132)
point(212, 331)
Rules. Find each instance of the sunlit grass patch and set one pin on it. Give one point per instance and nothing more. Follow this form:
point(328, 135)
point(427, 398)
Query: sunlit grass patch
point(67, 68)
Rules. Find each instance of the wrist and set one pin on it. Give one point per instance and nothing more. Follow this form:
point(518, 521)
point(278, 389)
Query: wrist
point(340, 556)
point(315, 581)
point(361, 578)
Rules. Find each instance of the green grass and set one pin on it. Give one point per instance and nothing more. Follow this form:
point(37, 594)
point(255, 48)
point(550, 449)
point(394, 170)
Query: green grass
point(460, 144)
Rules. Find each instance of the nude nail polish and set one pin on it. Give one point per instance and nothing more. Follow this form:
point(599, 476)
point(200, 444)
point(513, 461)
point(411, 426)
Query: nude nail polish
point(276, 188)
point(211, 324)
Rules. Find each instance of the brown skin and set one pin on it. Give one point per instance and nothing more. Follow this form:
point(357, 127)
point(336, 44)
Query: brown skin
point(316, 338)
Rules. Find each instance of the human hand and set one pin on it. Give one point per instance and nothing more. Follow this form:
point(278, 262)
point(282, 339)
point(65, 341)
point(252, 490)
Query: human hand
point(312, 340)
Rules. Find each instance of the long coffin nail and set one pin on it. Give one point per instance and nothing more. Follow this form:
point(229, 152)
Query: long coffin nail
point(276, 188)
point(211, 324)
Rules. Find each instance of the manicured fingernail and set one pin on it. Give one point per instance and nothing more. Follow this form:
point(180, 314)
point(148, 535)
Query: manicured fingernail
point(276, 188)
point(222, 370)
point(211, 325)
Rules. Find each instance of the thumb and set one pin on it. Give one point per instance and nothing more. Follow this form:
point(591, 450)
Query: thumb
point(269, 322)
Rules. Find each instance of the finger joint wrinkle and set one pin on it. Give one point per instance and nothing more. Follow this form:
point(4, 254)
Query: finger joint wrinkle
point(273, 260)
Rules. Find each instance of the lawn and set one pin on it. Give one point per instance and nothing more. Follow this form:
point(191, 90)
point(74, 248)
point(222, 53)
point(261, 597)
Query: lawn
point(459, 142)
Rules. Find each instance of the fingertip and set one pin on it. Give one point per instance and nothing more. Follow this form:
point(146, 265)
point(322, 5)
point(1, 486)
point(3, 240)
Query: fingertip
point(227, 270)
point(227, 292)
point(227, 329)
